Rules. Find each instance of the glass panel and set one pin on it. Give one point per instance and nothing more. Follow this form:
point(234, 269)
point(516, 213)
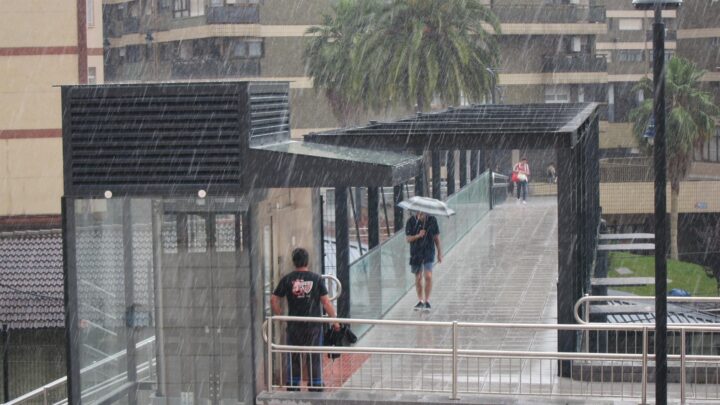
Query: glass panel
point(169, 233)
point(197, 233)
point(139, 295)
point(115, 280)
point(225, 233)
point(101, 289)
point(381, 277)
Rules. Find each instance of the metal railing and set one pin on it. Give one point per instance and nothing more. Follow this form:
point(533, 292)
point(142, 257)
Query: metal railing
point(460, 362)
point(43, 393)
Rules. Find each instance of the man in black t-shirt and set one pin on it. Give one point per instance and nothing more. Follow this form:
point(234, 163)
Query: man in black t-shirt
point(305, 293)
point(423, 235)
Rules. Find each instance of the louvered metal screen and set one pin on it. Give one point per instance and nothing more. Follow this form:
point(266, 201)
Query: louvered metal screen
point(270, 118)
point(165, 138)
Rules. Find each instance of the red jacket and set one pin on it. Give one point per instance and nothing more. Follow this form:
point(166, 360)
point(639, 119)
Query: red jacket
point(521, 167)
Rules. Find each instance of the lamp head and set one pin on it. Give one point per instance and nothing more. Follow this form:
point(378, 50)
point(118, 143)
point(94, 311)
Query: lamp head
point(651, 4)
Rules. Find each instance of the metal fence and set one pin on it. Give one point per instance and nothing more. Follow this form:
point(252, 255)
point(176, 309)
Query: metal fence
point(461, 363)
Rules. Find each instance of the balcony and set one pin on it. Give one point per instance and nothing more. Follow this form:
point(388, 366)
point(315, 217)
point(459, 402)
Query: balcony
point(210, 69)
point(233, 15)
point(542, 13)
point(574, 63)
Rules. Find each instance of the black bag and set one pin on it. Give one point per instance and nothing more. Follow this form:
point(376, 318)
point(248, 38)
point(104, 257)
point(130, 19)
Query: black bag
point(343, 337)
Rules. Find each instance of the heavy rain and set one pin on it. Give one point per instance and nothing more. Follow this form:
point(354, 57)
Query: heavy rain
point(359, 201)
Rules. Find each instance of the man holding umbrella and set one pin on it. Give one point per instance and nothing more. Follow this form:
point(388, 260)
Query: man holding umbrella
point(423, 235)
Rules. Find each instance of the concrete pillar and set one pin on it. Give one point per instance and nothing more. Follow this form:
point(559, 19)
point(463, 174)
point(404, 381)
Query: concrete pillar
point(373, 217)
point(450, 172)
point(436, 177)
point(342, 250)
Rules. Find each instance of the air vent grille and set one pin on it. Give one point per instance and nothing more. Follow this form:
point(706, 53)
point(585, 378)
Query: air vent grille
point(270, 115)
point(154, 136)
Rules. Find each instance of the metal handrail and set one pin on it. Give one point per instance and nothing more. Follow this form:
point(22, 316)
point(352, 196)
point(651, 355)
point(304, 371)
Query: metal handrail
point(587, 299)
point(337, 282)
point(63, 380)
point(455, 351)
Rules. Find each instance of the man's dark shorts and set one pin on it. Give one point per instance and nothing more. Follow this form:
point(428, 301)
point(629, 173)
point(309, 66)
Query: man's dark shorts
point(416, 268)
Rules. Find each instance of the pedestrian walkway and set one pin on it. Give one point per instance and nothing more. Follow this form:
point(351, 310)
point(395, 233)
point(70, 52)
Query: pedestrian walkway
point(504, 270)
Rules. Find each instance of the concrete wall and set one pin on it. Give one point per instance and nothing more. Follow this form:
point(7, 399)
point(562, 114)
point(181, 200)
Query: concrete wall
point(637, 198)
point(38, 51)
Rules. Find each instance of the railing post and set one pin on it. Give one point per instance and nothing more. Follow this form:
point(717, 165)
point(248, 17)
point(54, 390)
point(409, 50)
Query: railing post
point(45, 396)
point(269, 364)
point(455, 361)
point(587, 320)
point(644, 365)
point(682, 366)
point(491, 188)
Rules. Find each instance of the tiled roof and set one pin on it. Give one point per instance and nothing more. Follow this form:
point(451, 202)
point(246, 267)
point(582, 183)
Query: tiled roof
point(31, 279)
point(31, 276)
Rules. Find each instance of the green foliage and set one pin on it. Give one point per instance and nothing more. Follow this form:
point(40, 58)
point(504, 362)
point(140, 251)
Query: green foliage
point(376, 54)
point(687, 276)
point(690, 117)
point(690, 121)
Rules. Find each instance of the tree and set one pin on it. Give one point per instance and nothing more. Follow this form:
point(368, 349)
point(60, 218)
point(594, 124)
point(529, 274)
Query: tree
point(405, 52)
point(690, 121)
point(328, 54)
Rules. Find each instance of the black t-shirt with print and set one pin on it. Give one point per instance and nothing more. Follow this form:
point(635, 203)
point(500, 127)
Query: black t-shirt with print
point(303, 290)
point(422, 250)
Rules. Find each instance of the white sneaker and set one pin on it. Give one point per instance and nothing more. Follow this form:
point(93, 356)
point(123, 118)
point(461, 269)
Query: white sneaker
point(524, 202)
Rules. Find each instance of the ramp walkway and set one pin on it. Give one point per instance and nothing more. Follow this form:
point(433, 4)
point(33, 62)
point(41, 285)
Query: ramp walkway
point(504, 270)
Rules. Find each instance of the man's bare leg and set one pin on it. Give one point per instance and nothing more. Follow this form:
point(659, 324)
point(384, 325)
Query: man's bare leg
point(418, 285)
point(428, 285)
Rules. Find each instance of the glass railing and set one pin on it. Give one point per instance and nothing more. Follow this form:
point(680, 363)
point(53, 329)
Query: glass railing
point(382, 276)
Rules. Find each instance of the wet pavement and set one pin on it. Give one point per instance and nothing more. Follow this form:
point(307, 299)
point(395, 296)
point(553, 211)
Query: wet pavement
point(504, 270)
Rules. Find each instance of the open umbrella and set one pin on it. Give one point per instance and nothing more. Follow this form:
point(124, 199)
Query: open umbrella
point(427, 205)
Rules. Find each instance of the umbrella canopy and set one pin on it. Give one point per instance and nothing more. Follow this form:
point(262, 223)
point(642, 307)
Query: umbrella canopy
point(427, 205)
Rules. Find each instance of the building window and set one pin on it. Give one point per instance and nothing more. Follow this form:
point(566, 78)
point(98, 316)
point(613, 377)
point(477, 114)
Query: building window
point(247, 48)
point(630, 24)
point(90, 11)
point(557, 94)
point(668, 55)
point(134, 54)
point(186, 50)
point(188, 8)
point(92, 75)
point(606, 54)
point(630, 56)
point(255, 49)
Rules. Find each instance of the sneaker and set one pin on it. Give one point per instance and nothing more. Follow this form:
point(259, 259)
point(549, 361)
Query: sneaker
point(427, 307)
point(420, 305)
point(524, 202)
point(316, 389)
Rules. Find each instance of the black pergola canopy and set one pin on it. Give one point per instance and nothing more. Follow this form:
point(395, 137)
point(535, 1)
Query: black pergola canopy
point(535, 126)
point(307, 164)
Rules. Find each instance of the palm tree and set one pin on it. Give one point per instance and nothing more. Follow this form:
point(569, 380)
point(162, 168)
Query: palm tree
point(691, 115)
point(328, 53)
point(383, 53)
point(419, 49)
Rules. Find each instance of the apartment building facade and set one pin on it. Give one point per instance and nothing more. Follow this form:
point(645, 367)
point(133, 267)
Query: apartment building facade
point(42, 45)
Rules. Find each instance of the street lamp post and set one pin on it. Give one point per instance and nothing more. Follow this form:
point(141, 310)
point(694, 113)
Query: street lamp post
point(659, 153)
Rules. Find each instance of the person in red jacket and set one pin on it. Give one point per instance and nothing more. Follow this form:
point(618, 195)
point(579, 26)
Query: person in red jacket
point(522, 168)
